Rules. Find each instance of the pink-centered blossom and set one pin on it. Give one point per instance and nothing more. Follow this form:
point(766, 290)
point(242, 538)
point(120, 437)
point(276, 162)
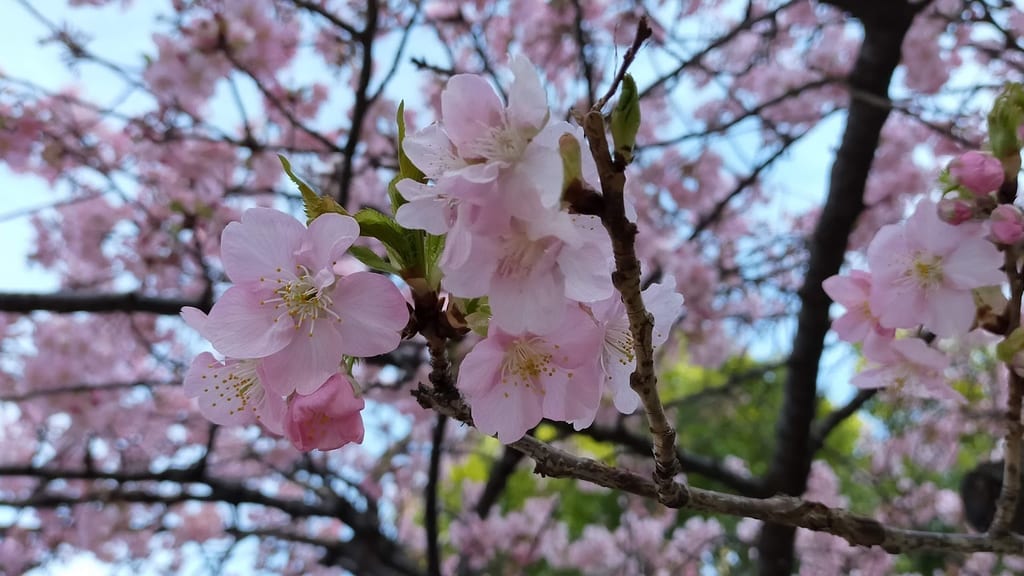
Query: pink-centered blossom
point(288, 298)
point(481, 139)
point(1006, 224)
point(329, 418)
point(979, 172)
point(232, 391)
point(511, 381)
point(858, 324)
point(528, 272)
point(923, 272)
point(914, 370)
point(618, 353)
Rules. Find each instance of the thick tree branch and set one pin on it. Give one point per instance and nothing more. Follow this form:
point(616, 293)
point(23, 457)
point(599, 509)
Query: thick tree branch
point(872, 72)
point(430, 521)
point(690, 463)
point(780, 510)
point(125, 486)
point(65, 302)
point(1006, 506)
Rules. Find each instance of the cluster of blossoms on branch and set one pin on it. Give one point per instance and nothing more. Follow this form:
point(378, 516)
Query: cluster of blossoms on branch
point(489, 178)
point(284, 326)
point(941, 273)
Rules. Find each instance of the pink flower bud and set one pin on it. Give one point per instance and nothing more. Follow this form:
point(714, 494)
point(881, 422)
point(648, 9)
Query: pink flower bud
point(979, 172)
point(1007, 224)
point(328, 418)
point(955, 211)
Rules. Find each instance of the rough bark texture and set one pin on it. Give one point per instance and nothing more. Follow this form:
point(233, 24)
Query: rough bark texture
point(877, 59)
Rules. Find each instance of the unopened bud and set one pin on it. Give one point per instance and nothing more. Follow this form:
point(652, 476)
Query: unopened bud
point(572, 161)
point(978, 172)
point(1007, 224)
point(626, 119)
point(1009, 350)
point(955, 211)
point(1004, 122)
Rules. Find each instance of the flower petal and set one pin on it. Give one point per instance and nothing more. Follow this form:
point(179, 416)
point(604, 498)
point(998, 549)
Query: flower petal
point(527, 101)
point(373, 314)
point(469, 108)
point(263, 242)
point(307, 361)
point(242, 325)
point(226, 392)
point(327, 239)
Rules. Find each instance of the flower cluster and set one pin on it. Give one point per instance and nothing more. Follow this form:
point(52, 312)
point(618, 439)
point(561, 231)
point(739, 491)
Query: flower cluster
point(927, 273)
point(284, 325)
point(558, 336)
point(557, 339)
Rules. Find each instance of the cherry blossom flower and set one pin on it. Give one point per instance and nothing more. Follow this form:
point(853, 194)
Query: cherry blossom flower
point(328, 418)
point(858, 324)
point(530, 271)
point(512, 381)
point(618, 354)
point(924, 270)
point(231, 392)
point(915, 370)
point(288, 298)
point(1006, 224)
point(979, 172)
point(482, 140)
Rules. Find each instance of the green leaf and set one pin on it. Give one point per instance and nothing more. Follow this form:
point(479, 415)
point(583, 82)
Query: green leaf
point(372, 260)
point(405, 166)
point(406, 169)
point(433, 246)
point(402, 245)
point(314, 204)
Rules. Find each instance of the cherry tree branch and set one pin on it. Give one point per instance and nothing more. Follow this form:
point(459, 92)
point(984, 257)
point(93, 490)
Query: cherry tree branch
point(789, 511)
point(627, 281)
point(431, 513)
point(497, 480)
point(643, 32)
point(826, 425)
point(872, 72)
point(1006, 505)
point(67, 302)
point(362, 102)
point(141, 487)
point(690, 463)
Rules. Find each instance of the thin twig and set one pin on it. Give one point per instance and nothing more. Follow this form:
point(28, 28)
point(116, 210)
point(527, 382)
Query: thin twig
point(643, 32)
point(627, 281)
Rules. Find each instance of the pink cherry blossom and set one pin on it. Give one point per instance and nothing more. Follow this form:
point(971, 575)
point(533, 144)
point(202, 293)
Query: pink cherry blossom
point(530, 271)
point(979, 172)
point(955, 211)
point(511, 381)
point(289, 299)
point(618, 354)
point(230, 392)
point(858, 324)
point(915, 370)
point(923, 272)
point(1006, 224)
point(329, 418)
point(483, 140)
